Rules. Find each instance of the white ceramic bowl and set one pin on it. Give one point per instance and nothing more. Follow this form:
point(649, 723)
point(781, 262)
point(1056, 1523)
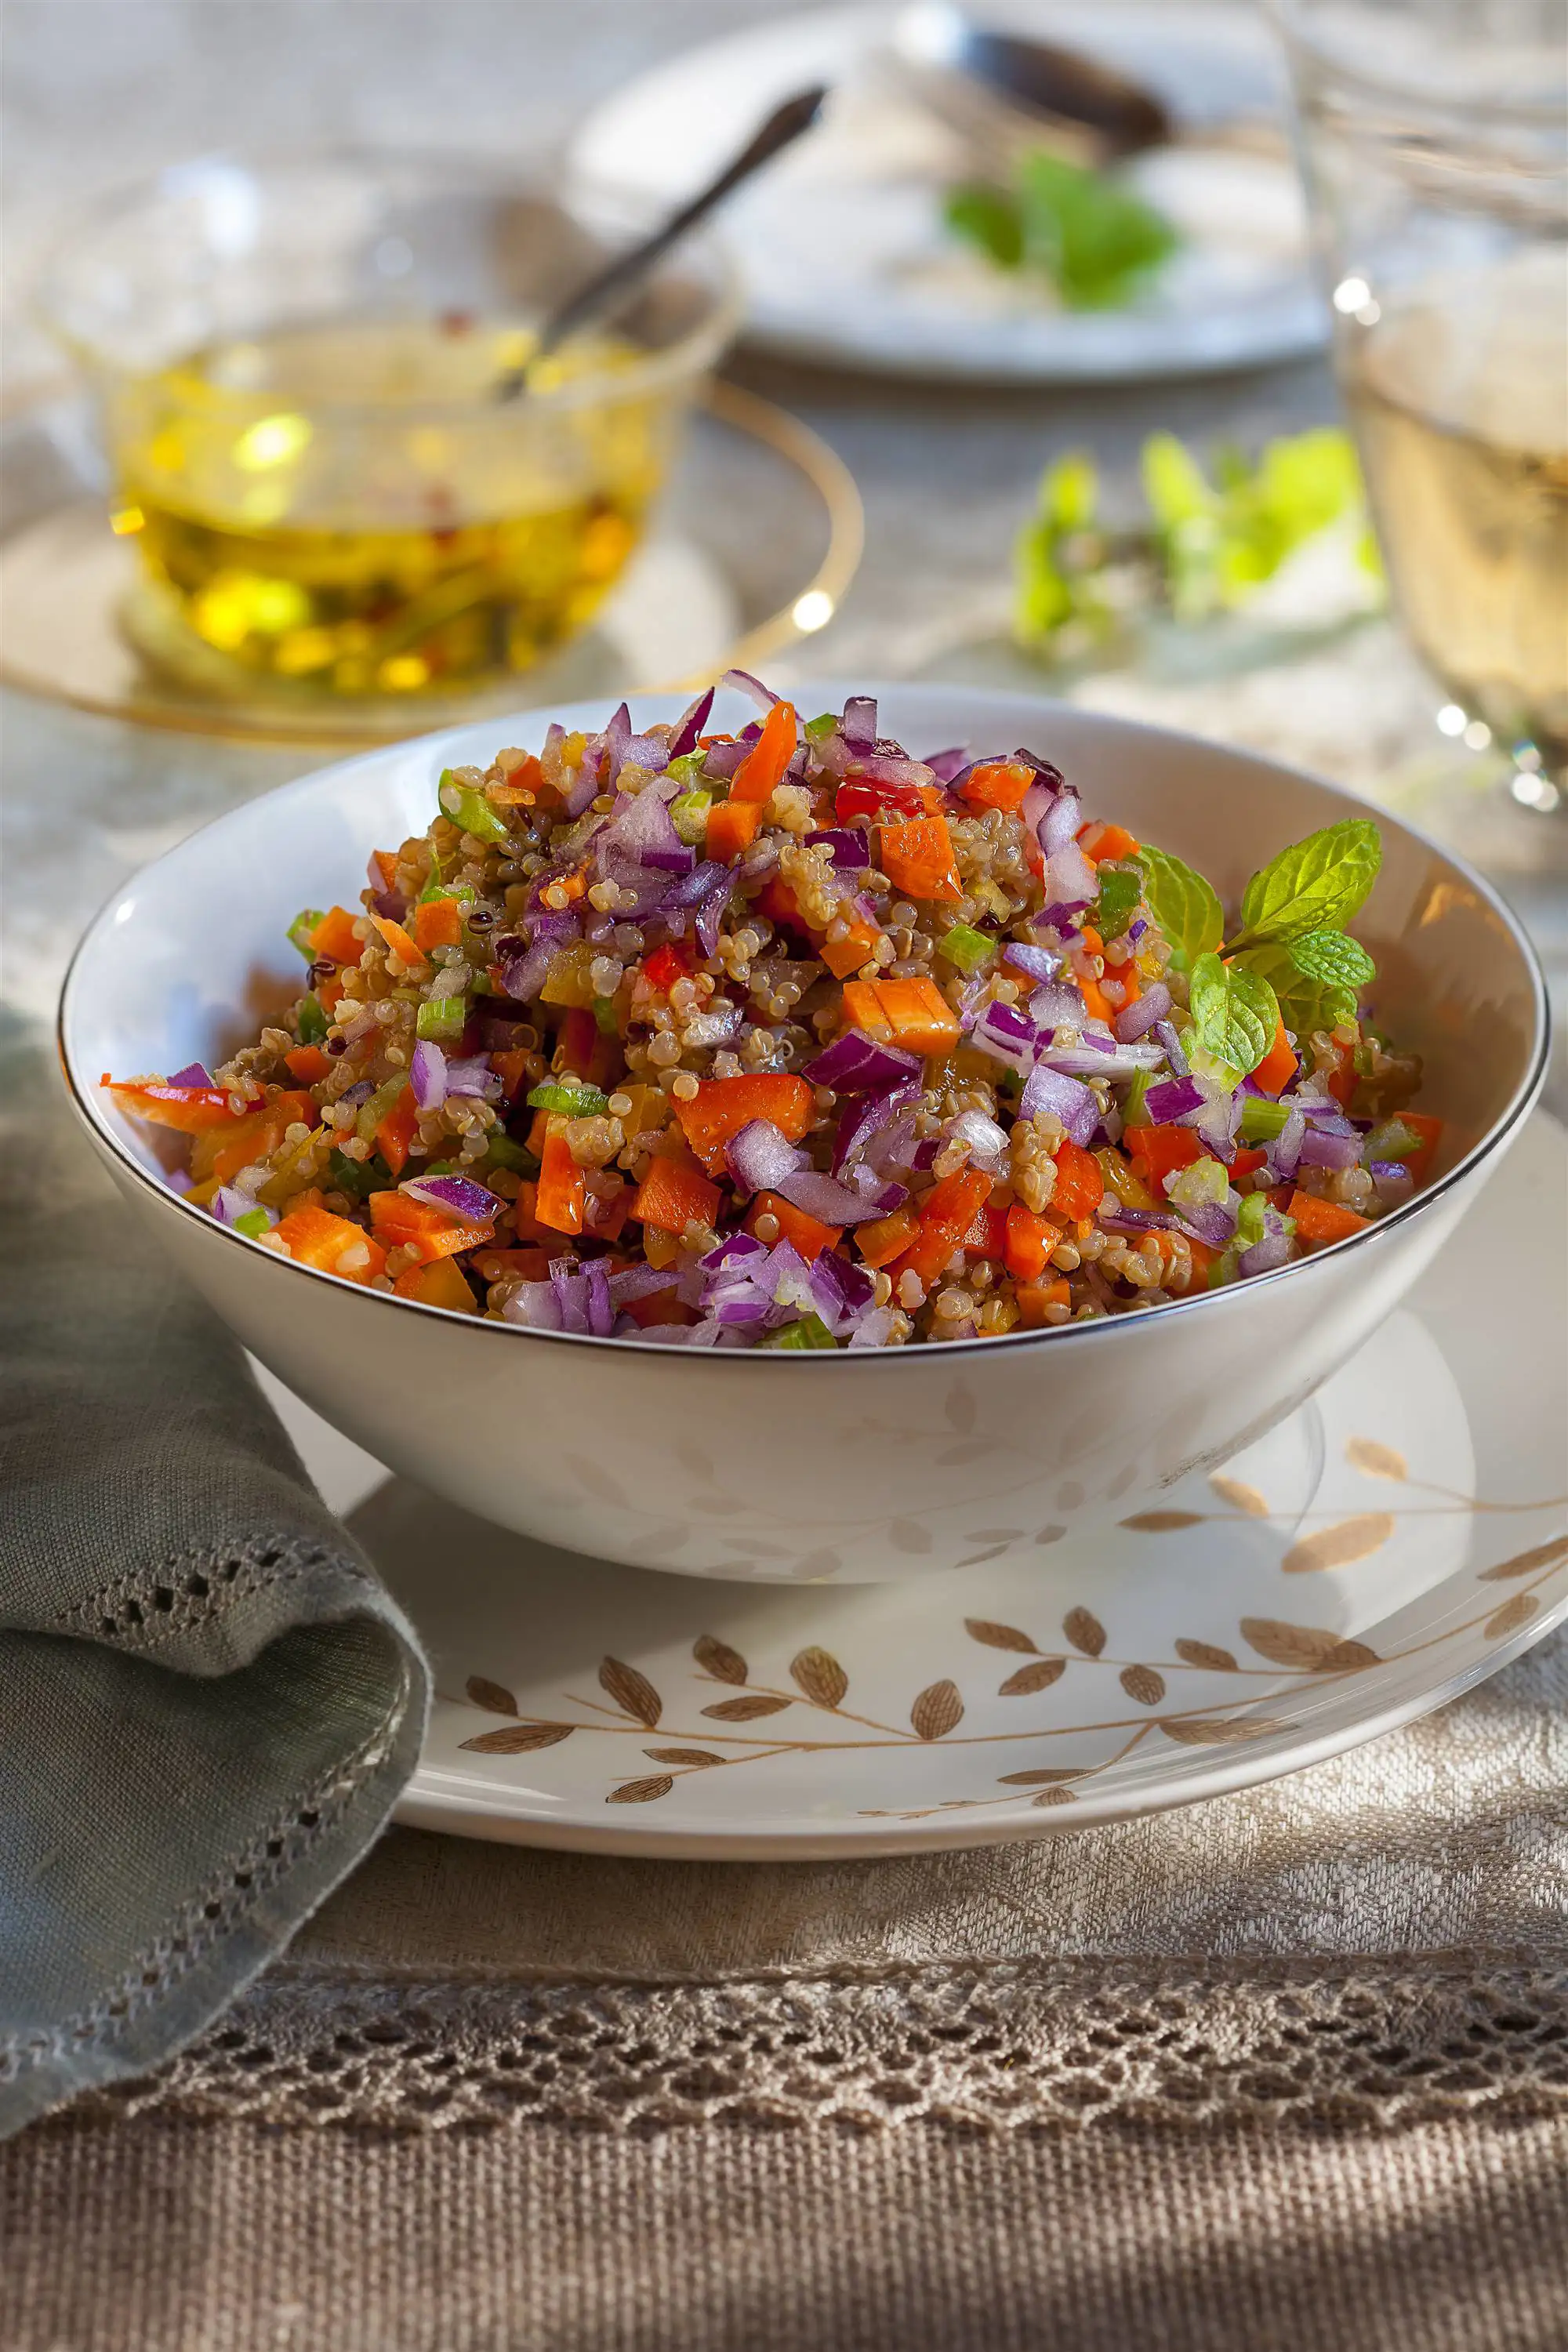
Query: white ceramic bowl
point(874, 1464)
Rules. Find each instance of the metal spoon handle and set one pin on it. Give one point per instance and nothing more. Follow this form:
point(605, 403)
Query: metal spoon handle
point(783, 127)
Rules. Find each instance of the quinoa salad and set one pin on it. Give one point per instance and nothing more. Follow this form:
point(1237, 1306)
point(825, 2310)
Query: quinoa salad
point(787, 1039)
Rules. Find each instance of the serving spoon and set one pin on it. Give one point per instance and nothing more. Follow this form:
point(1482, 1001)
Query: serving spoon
point(966, 70)
point(610, 286)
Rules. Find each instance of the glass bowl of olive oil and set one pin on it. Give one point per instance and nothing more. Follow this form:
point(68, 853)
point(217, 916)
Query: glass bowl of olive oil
point(298, 367)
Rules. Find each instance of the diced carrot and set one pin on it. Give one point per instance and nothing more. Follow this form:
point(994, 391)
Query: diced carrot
point(671, 1194)
point(999, 784)
point(385, 864)
point(1092, 943)
point(1161, 1150)
point(1030, 1239)
point(511, 1069)
point(911, 1014)
point(731, 827)
point(223, 1155)
point(807, 1234)
point(1430, 1131)
point(917, 859)
point(438, 923)
point(334, 936)
point(988, 1235)
point(308, 1064)
point(946, 1216)
point(1098, 1005)
point(398, 940)
point(1320, 1222)
point(856, 948)
point(884, 1238)
point(1034, 1298)
point(1278, 1068)
point(440, 1284)
point(558, 1199)
point(189, 1110)
point(398, 1131)
point(329, 992)
point(332, 1245)
point(1342, 1079)
point(764, 765)
point(1107, 841)
point(1080, 1181)
point(538, 1128)
point(404, 1223)
point(722, 1107)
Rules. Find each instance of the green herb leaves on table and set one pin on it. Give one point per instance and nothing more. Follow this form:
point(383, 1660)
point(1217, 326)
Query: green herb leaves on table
point(1097, 242)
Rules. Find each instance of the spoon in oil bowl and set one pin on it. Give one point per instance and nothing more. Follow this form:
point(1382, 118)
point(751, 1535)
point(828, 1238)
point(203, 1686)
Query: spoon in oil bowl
point(611, 285)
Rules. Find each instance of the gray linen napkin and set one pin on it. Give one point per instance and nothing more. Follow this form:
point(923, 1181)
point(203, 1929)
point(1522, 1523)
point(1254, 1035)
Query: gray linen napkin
point(208, 1704)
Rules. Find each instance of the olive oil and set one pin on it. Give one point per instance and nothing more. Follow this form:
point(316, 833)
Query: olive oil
point(347, 505)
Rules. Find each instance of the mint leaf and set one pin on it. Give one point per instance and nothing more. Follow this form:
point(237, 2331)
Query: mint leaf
point(1092, 237)
point(987, 217)
point(1185, 907)
point(1316, 884)
point(1121, 893)
point(1234, 1013)
point(1337, 961)
point(1305, 1002)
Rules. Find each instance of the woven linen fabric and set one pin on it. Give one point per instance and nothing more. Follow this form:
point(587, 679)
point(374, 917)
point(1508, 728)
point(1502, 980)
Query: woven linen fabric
point(209, 1702)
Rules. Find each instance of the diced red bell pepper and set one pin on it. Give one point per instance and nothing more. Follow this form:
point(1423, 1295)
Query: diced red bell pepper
point(334, 937)
point(946, 1216)
point(398, 1131)
point(401, 1221)
point(667, 964)
point(807, 1234)
point(671, 1194)
point(988, 1235)
point(559, 1196)
point(998, 784)
point(1105, 842)
point(1161, 1150)
point(1080, 1181)
point(723, 1107)
point(332, 1245)
point(917, 859)
point(1028, 1244)
point(860, 801)
point(1318, 1222)
point(189, 1110)
point(440, 1284)
point(1279, 1065)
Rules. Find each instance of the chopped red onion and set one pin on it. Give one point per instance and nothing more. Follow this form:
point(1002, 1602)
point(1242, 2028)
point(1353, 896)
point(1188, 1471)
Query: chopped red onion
point(689, 725)
point(194, 1074)
point(1045, 1089)
point(641, 828)
point(1090, 1058)
point(1176, 1098)
point(1135, 1021)
point(841, 1291)
point(473, 1076)
point(987, 1142)
point(1211, 1222)
point(744, 682)
point(601, 1315)
point(536, 1306)
point(229, 1203)
point(1040, 963)
point(427, 1075)
point(650, 752)
point(866, 1115)
point(1056, 1004)
point(1070, 879)
point(859, 726)
point(761, 1156)
point(459, 1195)
point(857, 1065)
point(1061, 919)
point(1059, 824)
point(1121, 1219)
point(1170, 1045)
point(822, 1197)
point(617, 736)
point(1391, 1180)
point(722, 760)
point(951, 767)
point(1320, 1148)
point(576, 795)
point(1274, 1249)
point(874, 1328)
point(391, 903)
point(848, 848)
point(360, 1092)
point(1008, 1034)
point(1285, 1151)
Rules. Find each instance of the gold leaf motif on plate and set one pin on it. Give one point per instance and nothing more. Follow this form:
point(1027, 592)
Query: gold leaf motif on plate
point(819, 1675)
point(997, 1637)
point(1375, 1461)
point(518, 1739)
point(695, 1757)
point(746, 1710)
point(1311, 1648)
point(1337, 1547)
point(936, 1710)
point(1053, 1797)
point(1142, 1683)
point(1239, 1495)
point(717, 1658)
point(493, 1696)
point(1043, 1776)
point(1085, 1631)
point(1511, 1616)
point(1206, 1653)
point(631, 1691)
point(1546, 1555)
point(1219, 1731)
point(641, 1792)
point(1038, 1676)
point(1162, 1523)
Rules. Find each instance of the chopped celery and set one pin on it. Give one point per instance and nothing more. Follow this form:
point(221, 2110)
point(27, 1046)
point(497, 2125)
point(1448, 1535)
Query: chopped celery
point(605, 1020)
point(371, 1113)
point(1224, 1268)
point(468, 808)
point(572, 1100)
point(442, 1168)
point(811, 1332)
point(1204, 1181)
point(441, 1018)
point(818, 729)
point(1261, 1121)
point(310, 1022)
point(966, 947)
point(300, 929)
point(689, 814)
point(1133, 1111)
point(358, 1178)
point(688, 770)
point(1391, 1141)
point(253, 1225)
point(1250, 1226)
point(502, 1152)
point(482, 984)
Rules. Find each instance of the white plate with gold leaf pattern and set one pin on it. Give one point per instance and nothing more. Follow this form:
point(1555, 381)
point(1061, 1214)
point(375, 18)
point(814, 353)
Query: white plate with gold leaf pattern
point(1398, 1538)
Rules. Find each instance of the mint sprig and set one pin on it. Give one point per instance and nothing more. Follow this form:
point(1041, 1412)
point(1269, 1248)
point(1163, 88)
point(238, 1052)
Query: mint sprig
point(1235, 1015)
point(1186, 907)
point(1317, 885)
